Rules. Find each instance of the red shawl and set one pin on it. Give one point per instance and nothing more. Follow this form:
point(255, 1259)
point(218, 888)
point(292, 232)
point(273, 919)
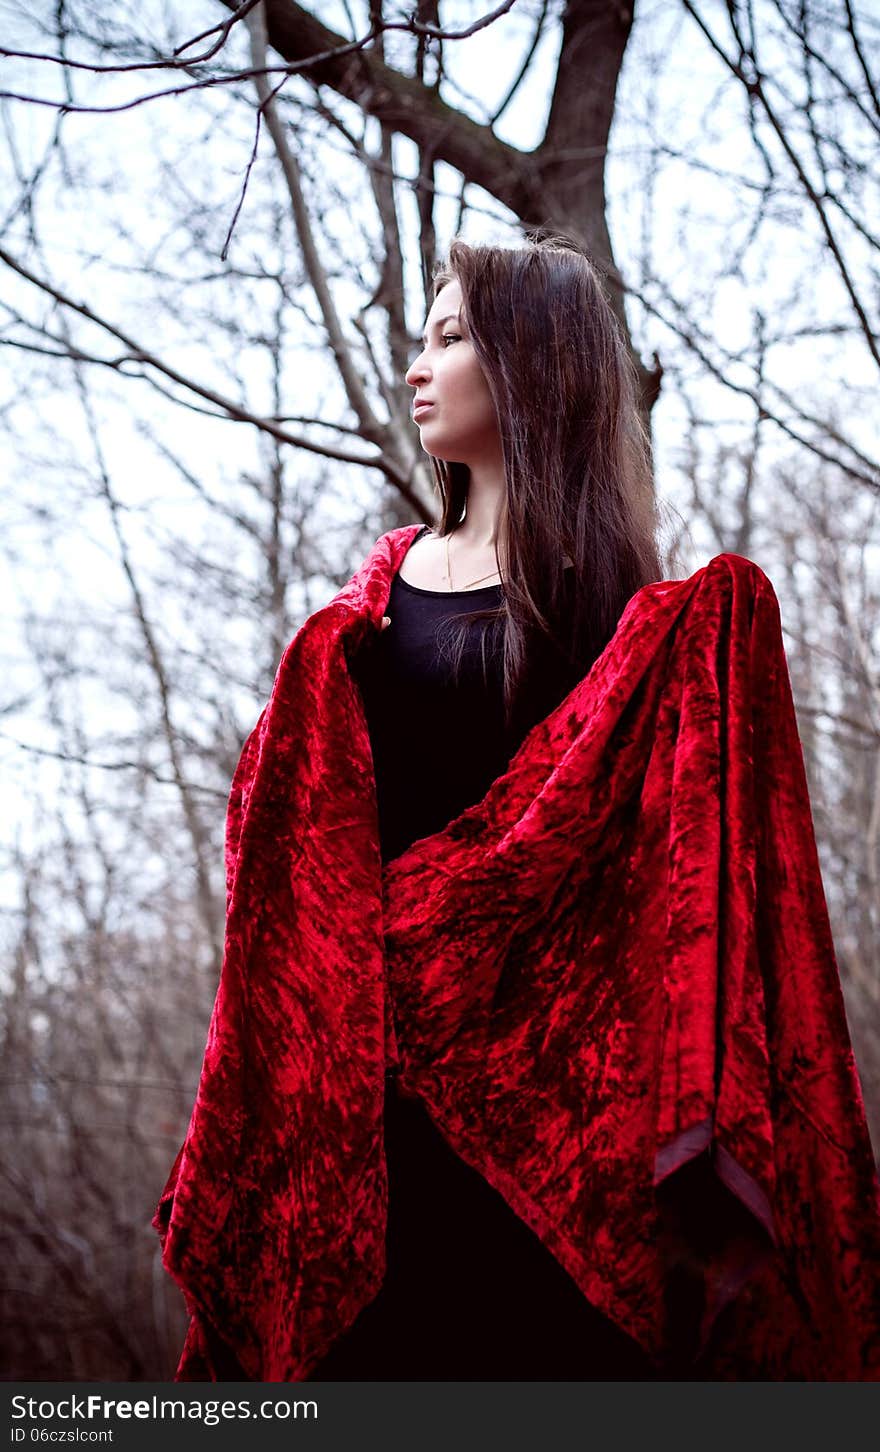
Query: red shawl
point(611, 981)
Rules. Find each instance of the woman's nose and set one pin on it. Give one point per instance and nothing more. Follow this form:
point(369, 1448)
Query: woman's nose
point(416, 371)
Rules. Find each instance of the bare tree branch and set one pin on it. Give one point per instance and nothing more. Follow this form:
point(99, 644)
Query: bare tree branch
point(136, 353)
point(746, 70)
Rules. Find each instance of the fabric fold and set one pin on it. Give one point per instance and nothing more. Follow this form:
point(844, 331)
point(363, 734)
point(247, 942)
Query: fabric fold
point(611, 982)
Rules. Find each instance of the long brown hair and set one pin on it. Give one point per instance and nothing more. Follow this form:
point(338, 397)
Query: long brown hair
point(576, 461)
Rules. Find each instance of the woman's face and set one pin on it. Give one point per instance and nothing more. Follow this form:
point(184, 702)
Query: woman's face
point(458, 423)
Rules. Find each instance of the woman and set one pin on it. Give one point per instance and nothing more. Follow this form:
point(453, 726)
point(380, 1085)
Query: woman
point(470, 1291)
point(526, 944)
point(523, 377)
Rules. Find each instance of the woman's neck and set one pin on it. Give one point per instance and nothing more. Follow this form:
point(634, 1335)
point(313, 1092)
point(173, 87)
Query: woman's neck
point(479, 529)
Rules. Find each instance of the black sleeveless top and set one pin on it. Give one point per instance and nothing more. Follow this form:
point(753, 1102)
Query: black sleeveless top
point(437, 739)
point(470, 1292)
point(437, 735)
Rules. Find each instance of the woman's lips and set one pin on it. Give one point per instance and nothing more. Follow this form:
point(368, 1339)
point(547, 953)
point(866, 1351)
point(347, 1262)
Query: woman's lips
point(420, 408)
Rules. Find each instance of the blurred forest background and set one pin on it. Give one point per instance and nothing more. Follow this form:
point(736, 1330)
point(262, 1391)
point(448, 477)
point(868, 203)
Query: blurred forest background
point(215, 225)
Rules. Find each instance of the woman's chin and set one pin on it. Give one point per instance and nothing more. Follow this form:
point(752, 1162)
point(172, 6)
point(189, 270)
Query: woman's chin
point(446, 453)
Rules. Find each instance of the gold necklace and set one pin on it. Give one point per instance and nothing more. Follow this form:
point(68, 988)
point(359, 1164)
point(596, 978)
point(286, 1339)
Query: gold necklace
point(470, 582)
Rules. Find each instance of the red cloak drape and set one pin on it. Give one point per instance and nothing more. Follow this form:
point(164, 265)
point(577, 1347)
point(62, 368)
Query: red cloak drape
point(611, 981)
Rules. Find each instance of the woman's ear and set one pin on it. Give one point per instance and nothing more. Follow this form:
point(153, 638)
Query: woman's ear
point(386, 621)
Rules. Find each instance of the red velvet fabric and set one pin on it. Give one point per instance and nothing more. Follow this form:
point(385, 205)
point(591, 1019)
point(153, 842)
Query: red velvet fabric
point(611, 981)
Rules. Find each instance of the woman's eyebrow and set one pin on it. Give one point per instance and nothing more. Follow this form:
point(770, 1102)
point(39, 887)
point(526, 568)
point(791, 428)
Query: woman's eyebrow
point(452, 318)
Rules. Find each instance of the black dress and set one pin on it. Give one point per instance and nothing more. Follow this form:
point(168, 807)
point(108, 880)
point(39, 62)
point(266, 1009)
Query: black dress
point(470, 1292)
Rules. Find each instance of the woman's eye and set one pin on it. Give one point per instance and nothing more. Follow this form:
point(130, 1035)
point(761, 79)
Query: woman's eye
point(450, 338)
